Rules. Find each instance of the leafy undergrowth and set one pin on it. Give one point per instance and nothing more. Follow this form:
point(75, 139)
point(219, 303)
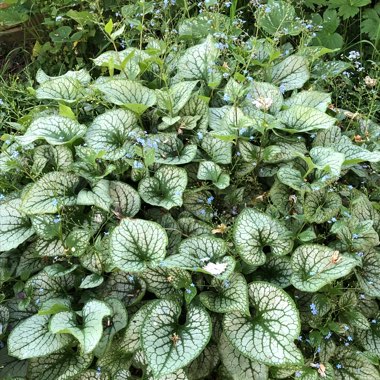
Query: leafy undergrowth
point(196, 212)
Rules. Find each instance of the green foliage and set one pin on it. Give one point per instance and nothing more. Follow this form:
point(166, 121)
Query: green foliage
point(191, 205)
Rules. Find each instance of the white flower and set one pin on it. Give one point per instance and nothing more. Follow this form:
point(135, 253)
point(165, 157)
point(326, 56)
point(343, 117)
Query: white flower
point(263, 103)
point(215, 269)
point(370, 82)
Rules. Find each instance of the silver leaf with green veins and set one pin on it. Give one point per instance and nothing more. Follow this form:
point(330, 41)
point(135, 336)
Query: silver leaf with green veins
point(59, 366)
point(291, 73)
point(315, 265)
point(56, 130)
point(202, 253)
point(50, 193)
point(166, 188)
point(137, 243)
point(15, 227)
point(61, 88)
point(196, 60)
point(113, 133)
point(300, 118)
point(231, 295)
point(125, 92)
point(32, 339)
point(368, 274)
point(90, 332)
point(239, 366)
point(254, 232)
point(268, 335)
point(168, 345)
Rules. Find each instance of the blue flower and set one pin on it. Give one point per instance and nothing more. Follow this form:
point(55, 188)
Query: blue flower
point(339, 366)
point(2, 196)
point(226, 75)
point(200, 135)
point(346, 327)
point(360, 254)
point(141, 141)
point(57, 219)
point(202, 212)
point(282, 88)
point(226, 98)
point(192, 285)
point(188, 291)
point(1, 102)
point(300, 338)
point(349, 338)
point(226, 284)
point(138, 165)
point(313, 309)
point(355, 236)
point(298, 374)
point(328, 336)
point(350, 187)
point(210, 199)
point(54, 202)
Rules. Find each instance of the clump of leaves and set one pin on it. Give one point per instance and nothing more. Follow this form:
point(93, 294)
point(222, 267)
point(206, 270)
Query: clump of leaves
point(169, 221)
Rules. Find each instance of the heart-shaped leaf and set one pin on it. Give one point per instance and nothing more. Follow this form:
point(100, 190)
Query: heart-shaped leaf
point(316, 265)
point(127, 288)
point(116, 322)
point(125, 199)
point(171, 151)
point(280, 18)
point(99, 196)
point(123, 92)
point(202, 366)
point(50, 193)
point(166, 188)
point(60, 88)
point(268, 335)
point(169, 345)
point(202, 253)
point(239, 366)
point(15, 227)
point(354, 365)
point(231, 295)
point(218, 150)
point(291, 73)
point(316, 99)
point(81, 76)
point(32, 338)
point(320, 206)
point(56, 130)
point(59, 366)
point(209, 171)
point(112, 132)
point(137, 243)
point(175, 98)
point(256, 234)
point(91, 330)
point(196, 61)
point(300, 118)
point(368, 273)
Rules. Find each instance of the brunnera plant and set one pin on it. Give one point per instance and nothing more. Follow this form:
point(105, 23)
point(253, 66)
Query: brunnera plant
point(175, 218)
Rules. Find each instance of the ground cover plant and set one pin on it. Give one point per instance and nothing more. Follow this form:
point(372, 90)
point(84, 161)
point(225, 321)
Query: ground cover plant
point(198, 202)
